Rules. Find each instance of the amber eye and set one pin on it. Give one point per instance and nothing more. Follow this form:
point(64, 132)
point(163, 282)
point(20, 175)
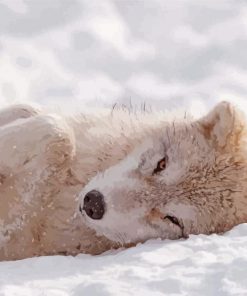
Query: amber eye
point(161, 165)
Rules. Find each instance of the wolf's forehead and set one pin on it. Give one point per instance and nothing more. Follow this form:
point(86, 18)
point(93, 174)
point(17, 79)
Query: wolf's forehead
point(178, 142)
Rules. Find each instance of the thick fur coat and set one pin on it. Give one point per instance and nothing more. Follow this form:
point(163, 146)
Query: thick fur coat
point(49, 162)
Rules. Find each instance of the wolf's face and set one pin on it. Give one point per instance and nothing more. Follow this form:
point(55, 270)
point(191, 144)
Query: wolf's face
point(186, 178)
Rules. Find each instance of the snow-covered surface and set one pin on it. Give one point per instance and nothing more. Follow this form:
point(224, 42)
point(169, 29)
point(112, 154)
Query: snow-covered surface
point(71, 55)
point(167, 53)
point(202, 265)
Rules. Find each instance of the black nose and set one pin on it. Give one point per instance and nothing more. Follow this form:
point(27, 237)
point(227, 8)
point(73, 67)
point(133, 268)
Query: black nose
point(94, 204)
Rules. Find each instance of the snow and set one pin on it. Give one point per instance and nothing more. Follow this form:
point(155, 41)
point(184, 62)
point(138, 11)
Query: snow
point(201, 265)
point(72, 55)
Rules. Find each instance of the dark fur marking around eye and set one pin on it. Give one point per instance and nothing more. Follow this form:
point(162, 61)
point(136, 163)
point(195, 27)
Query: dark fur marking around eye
point(161, 165)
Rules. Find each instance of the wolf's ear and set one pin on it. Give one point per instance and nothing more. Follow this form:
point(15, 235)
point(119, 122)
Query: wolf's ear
point(223, 126)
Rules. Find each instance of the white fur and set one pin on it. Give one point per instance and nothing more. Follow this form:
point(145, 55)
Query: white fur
point(49, 162)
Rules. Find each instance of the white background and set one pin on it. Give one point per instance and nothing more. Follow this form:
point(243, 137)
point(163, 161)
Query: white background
point(164, 52)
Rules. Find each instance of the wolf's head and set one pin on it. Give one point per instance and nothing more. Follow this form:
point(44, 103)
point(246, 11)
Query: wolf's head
point(187, 178)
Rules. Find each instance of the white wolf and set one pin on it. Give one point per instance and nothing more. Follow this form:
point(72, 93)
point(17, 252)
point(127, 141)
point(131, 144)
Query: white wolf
point(113, 178)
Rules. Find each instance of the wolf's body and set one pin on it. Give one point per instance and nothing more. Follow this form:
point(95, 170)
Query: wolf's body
point(48, 163)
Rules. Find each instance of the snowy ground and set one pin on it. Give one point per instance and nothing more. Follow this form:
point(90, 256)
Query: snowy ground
point(201, 265)
point(74, 54)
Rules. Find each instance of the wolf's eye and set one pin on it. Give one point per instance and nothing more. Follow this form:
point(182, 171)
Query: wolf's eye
point(161, 165)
